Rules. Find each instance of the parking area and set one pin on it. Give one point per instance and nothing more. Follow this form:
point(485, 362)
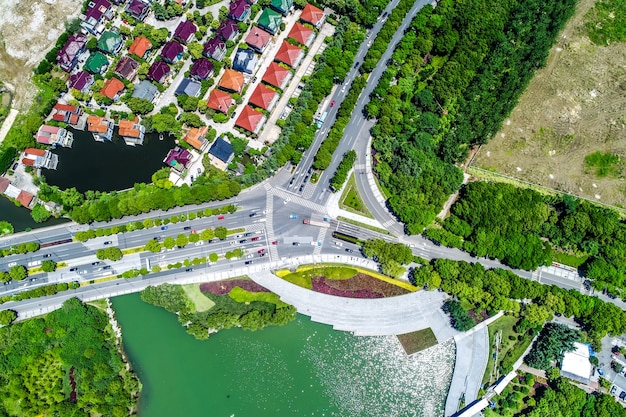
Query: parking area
point(608, 356)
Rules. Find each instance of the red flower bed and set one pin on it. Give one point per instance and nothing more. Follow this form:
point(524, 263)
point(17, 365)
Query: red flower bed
point(224, 287)
point(321, 284)
point(375, 288)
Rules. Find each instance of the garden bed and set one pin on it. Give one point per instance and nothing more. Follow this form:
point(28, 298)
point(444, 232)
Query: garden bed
point(417, 341)
point(224, 287)
point(359, 286)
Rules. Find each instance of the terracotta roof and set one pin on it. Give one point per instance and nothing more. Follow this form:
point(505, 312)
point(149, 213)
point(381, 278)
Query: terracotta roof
point(4, 183)
point(195, 137)
point(140, 46)
point(258, 38)
point(276, 75)
point(65, 107)
point(249, 119)
point(129, 128)
point(220, 101)
point(312, 14)
point(112, 86)
point(262, 96)
point(35, 151)
point(95, 124)
point(27, 161)
point(300, 33)
point(289, 54)
point(232, 80)
point(25, 198)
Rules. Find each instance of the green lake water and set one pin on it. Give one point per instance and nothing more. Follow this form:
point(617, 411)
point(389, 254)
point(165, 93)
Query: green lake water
point(301, 369)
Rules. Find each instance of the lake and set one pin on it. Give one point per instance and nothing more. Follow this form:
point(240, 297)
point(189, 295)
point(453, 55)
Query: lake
point(301, 369)
point(20, 217)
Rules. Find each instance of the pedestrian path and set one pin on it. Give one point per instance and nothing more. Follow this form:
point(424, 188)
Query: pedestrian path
point(269, 206)
point(294, 198)
point(320, 238)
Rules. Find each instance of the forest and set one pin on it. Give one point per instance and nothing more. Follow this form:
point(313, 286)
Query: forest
point(458, 72)
point(65, 363)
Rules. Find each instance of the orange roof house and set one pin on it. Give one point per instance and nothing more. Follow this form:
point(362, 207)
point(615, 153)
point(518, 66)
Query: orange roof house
point(132, 132)
point(101, 128)
point(219, 101)
point(25, 198)
point(111, 88)
point(195, 137)
point(289, 54)
point(277, 76)
point(301, 34)
point(250, 120)
point(140, 46)
point(232, 81)
point(264, 97)
point(313, 15)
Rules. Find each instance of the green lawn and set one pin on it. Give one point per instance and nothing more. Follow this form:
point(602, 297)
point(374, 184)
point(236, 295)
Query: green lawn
point(199, 300)
point(243, 296)
point(417, 341)
point(569, 259)
point(351, 200)
point(504, 323)
point(302, 276)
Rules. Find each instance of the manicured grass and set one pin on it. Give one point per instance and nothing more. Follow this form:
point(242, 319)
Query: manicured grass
point(243, 296)
point(199, 300)
point(504, 323)
point(302, 276)
point(364, 225)
point(417, 341)
point(351, 200)
point(569, 259)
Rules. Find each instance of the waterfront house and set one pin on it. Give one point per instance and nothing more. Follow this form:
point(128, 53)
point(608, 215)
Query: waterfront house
point(171, 52)
point(140, 46)
point(276, 75)
point(4, 184)
point(270, 20)
point(232, 81)
point(112, 88)
point(66, 113)
point(54, 136)
point(239, 10)
point(196, 138)
point(39, 158)
point(250, 120)
point(302, 34)
point(158, 71)
point(219, 101)
point(132, 132)
point(245, 61)
point(110, 42)
point(222, 150)
point(138, 9)
point(258, 39)
point(201, 69)
point(127, 68)
point(67, 56)
point(289, 54)
point(178, 159)
point(145, 90)
point(96, 15)
point(282, 6)
point(264, 97)
point(100, 128)
point(313, 15)
point(97, 63)
point(81, 81)
point(26, 199)
point(185, 31)
point(228, 30)
point(188, 87)
point(215, 48)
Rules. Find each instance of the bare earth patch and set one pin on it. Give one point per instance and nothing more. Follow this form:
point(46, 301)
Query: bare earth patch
point(573, 107)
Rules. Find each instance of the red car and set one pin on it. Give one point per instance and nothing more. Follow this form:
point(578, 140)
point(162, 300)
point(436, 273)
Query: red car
point(220, 217)
point(254, 239)
point(332, 103)
point(260, 251)
point(275, 242)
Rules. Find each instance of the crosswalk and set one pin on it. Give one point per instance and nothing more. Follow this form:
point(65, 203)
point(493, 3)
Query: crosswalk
point(269, 202)
point(308, 190)
point(294, 198)
point(320, 238)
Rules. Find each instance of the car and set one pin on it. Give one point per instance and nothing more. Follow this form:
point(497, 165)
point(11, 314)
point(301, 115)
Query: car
point(15, 166)
point(332, 103)
point(247, 234)
point(622, 395)
point(95, 263)
point(199, 243)
point(249, 262)
point(250, 256)
point(306, 178)
point(291, 182)
point(192, 178)
point(232, 116)
point(106, 267)
point(349, 250)
point(251, 214)
point(47, 255)
point(188, 269)
point(73, 269)
point(163, 227)
point(310, 170)
point(254, 79)
point(243, 241)
point(263, 254)
point(187, 228)
point(199, 171)
point(301, 188)
point(108, 242)
point(254, 239)
point(220, 217)
point(293, 216)
point(296, 243)
point(260, 251)
point(613, 389)
point(83, 272)
point(33, 279)
point(275, 242)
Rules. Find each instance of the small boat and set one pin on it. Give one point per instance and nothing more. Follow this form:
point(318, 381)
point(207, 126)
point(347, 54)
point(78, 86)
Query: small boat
point(160, 136)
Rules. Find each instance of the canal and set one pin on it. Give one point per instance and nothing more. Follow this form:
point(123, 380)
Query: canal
point(301, 369)
point(20, 217)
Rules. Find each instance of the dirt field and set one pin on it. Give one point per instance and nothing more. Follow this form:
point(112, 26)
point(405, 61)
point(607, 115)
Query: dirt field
point(573, 107)
point(28, 29)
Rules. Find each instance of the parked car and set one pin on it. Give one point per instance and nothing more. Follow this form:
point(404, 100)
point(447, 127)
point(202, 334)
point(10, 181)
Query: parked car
point(73, 269)
point(263, 254)
point(108, 242)
point(349, 250)
point(220, 217)
point(163, 227)
point(254, 239)
point(296, 243)
point(622, 395)
point(251, 214)
point(106, 267)
point(275, 242)
point(260, 251)
point(95, 263)
point(188, 269)
point(249, 262)
point(187, 228)
point(243, 241)
point(47, 255)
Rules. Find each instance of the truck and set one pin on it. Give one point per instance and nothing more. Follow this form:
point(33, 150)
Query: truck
point(315, 221)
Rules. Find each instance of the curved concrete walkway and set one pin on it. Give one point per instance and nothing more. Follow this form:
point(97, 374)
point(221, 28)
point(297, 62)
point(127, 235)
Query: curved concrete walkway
point(365, 317)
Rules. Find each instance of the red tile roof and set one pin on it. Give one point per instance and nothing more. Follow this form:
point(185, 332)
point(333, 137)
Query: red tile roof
point(289, 54)
point(27, 161)
point(249, 119)
point(312, 15)
point(232, 80)
point(301, 33)
point(95, 124)
point(258, 38)
point(276, 75)
point(140, 46)
point(25, 198)
point(35, 151)
point(4, 183)
point(220, 101)
point(193, 137)
point(262, 96)
point(112, 86)
point(129, 128)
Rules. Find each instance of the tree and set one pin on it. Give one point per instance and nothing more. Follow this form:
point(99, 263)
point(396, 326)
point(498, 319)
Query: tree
point(221, 232)
point(48, 266)
point(551, 344)
point(7, 317)
point(195, 49)
point(139, 106)
point(92, 43)
point(153, 245)
point(6, 228)
point(213, 257)
point(239, 145)
point(182, 240)
point(39, 213)
point(18, 272)
point(207, 234)
point(169, 242)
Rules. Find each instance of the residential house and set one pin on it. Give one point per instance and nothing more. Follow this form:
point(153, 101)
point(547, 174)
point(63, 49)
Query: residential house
point(270, 20)
point(245, 61)
point(132, 132)
point(313, 15)
point(185, 31)
point(302, 34)
point(215, 48)
point(97, 63)
point(112, 88)
point(276, 75)
point(282, 6)
point(289, 54)
point(138, 9)
point(4, 184)
point(222, 150)
point(67, 56)
point(140, 46)
point(196, 138)
point(171, 52)
point(219, 101)
point(110, 42)
point(39, 158)
point(264, 97)
point(127, 68)
point(54, 136)
point(201, 69)
point(178, 159)
point(66, 113)
point(258, 39)
point(26, 199)
point(239, 10)
point(228, 30)
point(250, 120)
point(81, 81)
point(188, 87)
point(97, 13)
point(145, 90)
point(158, 71)
point(232, 81)
point(100, 128)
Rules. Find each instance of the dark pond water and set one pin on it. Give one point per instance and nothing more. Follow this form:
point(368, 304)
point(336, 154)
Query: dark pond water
point(20, 217)
point(108, 166)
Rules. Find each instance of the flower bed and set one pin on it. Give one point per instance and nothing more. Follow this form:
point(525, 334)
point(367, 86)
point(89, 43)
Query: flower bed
point(224, 287)
point(361, 282)
point(321, 284)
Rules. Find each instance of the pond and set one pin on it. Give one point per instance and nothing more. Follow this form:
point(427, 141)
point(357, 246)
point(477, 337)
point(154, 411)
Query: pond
point(20, 217)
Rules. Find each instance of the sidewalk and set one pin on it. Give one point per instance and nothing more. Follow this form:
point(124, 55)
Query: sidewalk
point(8, 122)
